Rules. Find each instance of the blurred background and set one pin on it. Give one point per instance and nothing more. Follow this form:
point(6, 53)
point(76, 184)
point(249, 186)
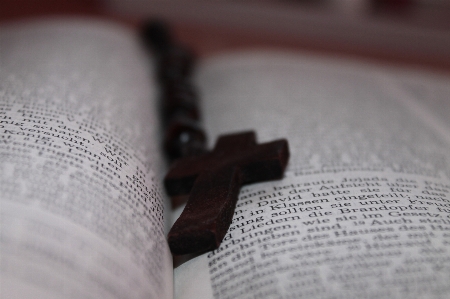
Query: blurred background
point(411, 32)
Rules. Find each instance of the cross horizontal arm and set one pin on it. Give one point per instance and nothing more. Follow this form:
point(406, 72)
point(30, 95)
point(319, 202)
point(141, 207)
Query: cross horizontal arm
point(243, 141)
point(267, 162)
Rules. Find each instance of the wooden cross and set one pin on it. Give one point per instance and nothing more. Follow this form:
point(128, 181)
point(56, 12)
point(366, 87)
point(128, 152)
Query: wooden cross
point(213, 181)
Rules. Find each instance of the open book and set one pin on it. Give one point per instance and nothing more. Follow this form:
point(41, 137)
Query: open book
point(362, 212)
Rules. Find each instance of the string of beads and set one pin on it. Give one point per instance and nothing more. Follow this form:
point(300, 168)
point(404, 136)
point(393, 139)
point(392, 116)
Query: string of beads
point(179, 99)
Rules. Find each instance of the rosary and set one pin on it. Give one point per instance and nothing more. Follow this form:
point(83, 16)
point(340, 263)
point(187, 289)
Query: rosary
point(212, 179)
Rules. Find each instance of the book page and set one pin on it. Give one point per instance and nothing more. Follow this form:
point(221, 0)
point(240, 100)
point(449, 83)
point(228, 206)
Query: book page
point(81, 206)
point(364, 208)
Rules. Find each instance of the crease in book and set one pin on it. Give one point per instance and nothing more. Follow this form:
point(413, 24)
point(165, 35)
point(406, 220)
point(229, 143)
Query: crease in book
point(363, 210)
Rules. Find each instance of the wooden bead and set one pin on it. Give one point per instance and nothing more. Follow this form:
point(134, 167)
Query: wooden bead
point(156, 35)
point(176, 63)
point(184, 138)
point(180, 99)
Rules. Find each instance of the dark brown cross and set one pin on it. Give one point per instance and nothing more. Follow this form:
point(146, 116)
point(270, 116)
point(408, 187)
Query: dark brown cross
point(213, 181)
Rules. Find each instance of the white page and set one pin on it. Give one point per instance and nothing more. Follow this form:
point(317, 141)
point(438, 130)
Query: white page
point(81, 206)
point(364, 208)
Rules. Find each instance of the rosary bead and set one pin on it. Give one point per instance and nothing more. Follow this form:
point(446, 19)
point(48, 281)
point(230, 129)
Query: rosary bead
point(156, 35)
point(184, 138)
point(180, 99)
point(176, 63)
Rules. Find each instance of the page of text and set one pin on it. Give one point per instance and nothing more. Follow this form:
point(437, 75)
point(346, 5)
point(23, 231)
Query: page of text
point(364, 208)
point(81, 207)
